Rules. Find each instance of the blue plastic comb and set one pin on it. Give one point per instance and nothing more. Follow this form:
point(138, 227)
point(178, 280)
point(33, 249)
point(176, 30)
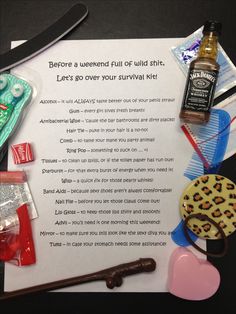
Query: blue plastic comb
point(209, 142)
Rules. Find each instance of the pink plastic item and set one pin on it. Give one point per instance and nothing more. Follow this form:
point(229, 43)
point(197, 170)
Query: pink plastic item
point(191, 278)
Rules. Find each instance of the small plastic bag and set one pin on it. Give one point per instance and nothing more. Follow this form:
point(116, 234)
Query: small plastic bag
point(16, 242)
point(187, 51)
point(14, 192)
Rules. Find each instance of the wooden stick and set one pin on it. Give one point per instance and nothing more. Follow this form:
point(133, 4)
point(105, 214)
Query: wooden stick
point(113, 277)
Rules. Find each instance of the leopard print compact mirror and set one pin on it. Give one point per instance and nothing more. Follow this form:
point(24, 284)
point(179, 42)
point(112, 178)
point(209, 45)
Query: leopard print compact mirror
point(214, 196)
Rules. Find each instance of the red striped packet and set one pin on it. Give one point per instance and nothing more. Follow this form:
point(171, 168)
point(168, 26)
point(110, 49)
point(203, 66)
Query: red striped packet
point(22, 153)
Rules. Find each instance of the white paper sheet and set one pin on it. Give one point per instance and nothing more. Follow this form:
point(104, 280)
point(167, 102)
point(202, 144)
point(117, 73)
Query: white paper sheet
point(110, 158)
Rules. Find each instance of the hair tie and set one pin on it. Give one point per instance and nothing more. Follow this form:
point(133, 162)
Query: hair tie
point(215, 224)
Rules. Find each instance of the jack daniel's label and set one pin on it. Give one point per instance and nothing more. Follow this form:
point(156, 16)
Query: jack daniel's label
point(199, 90)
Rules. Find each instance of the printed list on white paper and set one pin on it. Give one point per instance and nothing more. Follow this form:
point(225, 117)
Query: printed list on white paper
point(109, 160)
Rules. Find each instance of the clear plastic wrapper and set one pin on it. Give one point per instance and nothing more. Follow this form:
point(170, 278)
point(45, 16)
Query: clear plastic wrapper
point(14, 192)
point(187, 50)
point(16, 242)
point(16, 211)
point(15, 95)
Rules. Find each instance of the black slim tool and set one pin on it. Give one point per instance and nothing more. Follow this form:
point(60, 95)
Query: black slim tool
point(45, 39)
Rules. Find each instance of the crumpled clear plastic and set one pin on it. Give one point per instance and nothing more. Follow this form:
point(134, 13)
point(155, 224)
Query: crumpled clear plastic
point(16, 211)
point(14, 191)
point(16, 242)
point(187, 51)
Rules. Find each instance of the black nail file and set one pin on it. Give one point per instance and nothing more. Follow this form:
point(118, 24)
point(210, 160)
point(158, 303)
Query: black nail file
point(45, 39)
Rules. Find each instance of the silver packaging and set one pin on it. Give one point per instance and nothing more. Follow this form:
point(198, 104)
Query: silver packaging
point(12, 196)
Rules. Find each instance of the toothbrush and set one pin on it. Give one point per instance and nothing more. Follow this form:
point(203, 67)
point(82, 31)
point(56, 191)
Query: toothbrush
point(3, 83)
point(6, 110)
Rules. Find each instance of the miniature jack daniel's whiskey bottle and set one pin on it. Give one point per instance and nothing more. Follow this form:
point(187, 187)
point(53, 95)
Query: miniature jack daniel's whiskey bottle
point(202, 77)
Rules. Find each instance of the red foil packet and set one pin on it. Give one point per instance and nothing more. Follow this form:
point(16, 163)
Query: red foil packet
point(22, 153)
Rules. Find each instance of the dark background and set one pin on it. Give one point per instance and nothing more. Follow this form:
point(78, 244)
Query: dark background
point(127, 19)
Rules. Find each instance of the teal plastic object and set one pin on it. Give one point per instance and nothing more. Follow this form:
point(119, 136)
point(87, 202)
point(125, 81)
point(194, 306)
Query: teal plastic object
point(15, 95)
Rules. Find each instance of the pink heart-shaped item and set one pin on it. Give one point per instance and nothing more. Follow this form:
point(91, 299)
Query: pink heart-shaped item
point(191, 278)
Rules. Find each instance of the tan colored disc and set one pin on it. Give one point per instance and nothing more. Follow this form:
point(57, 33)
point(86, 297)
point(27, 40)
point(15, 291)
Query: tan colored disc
point(214, 196)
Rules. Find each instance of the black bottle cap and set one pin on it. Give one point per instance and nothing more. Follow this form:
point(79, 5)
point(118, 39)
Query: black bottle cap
point(212, 26)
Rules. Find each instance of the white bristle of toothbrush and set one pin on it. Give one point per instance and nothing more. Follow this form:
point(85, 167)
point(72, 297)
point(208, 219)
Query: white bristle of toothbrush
point(17, 90)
